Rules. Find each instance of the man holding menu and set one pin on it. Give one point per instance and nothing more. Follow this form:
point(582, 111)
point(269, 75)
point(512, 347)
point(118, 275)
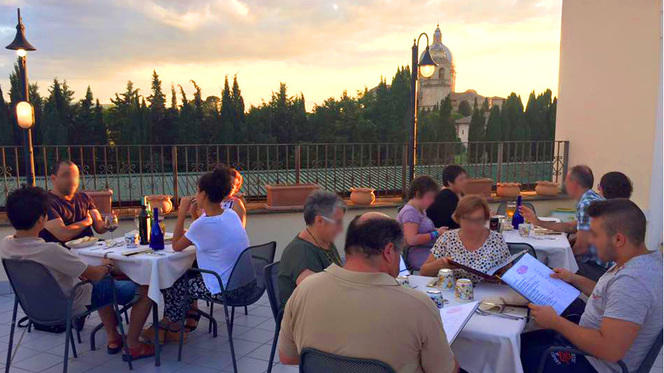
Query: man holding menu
point(623, 315)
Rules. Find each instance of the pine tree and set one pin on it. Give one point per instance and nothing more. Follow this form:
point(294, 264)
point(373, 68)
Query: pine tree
point(494, 127)
point(58, 114)
point(227, 134)
point(82, 129)
point(476, 131)
point(6, 133)
point(464, 108)
point(99, 135)
point(124, 128)
point(514, 125)
point(238, 119)
point(157, 120)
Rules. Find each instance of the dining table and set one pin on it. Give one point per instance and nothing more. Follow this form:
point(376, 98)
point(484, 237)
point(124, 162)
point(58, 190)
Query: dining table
point(155, 269)
point(488, 343)
point(553, 250)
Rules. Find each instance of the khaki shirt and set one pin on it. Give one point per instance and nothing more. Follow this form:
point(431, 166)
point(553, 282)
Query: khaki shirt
point(63, 264)
point(366, 315)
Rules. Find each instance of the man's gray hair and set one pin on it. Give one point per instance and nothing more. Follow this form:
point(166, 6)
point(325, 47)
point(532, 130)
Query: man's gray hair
point(321, 203)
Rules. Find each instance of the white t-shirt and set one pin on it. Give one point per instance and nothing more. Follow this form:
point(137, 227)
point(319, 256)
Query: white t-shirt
point(219, 242)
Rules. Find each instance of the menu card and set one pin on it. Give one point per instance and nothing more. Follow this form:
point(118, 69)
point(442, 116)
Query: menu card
point(455, 318)
point(532, 279)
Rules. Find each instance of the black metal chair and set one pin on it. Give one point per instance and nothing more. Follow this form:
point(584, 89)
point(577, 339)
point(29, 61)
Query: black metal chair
point(644, 367)
point(516, 247)
point(502, 207)
point(271, 275)
point(261, 255)
point(123, 311)
point(44, 302)
point(315, 361)
point(248, 272)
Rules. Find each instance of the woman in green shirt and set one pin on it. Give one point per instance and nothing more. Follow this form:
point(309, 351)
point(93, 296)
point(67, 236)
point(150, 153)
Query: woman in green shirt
point(313, 249)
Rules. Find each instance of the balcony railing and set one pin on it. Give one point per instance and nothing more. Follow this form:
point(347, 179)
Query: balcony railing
point(132, 171)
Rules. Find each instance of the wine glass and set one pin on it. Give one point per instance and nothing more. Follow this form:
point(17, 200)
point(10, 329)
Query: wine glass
point(111, 222)
point(510, 209)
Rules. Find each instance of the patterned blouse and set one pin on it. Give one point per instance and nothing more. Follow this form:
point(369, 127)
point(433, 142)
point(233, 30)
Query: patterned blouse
point(492, 252)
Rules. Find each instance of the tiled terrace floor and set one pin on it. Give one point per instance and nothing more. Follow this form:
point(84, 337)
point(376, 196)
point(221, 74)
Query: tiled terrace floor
point(42, 352)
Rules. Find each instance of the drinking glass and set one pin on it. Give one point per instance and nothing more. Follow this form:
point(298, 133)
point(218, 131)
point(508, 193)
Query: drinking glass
point(509, 210)
point(111, 222)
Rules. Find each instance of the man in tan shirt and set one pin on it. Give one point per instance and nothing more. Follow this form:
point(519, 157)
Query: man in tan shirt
point(361, 311)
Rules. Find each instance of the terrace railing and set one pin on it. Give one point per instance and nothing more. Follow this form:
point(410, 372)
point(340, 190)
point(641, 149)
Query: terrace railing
point(132, 171)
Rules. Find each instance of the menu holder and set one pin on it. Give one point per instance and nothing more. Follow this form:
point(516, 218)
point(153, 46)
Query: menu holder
point(491, 273)
point(456, 317)
point(531, 279)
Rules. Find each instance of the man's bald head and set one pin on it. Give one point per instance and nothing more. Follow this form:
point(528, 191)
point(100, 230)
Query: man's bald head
point(371, 232)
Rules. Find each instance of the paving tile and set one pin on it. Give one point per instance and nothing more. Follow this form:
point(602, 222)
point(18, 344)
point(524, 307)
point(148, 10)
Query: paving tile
point(190, 368)
point(247, 364)
point(263, 353)
point(279, 368)
point(215, 360)
point(74, 366)
point(256, 335)
point(38, 362)
point(267, 325)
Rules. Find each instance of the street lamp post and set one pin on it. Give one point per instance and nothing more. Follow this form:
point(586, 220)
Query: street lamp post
point(24, 111)
point(425, 67)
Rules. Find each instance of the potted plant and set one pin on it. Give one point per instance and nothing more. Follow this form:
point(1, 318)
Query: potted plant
point(288, 195)
point(163, 201)
point(508, 189)
point(481, 186)
point(547, 188)
point(362, 196)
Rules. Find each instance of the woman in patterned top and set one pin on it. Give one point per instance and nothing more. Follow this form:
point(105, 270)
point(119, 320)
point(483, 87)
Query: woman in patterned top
point(472, 245)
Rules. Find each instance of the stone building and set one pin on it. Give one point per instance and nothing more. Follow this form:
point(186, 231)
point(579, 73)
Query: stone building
point(434, 89)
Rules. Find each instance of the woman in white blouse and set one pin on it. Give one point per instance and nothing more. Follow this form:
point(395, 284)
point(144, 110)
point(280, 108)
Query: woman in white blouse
point(472, 245)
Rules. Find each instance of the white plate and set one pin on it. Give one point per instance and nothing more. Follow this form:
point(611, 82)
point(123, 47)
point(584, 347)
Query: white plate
point(82, 242)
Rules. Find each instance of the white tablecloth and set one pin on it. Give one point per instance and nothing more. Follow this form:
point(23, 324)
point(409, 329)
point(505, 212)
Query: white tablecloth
point(552, 250)
point(156, 271)
point(487, 344)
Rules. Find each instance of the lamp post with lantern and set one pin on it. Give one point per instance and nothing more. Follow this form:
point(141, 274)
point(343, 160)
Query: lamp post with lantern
point(25, 113)
point(424, 67)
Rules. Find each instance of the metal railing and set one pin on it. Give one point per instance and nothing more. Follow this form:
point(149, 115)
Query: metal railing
point(132, 171)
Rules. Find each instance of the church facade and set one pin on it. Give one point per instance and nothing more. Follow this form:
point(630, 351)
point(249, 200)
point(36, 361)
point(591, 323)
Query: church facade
point(434, 89)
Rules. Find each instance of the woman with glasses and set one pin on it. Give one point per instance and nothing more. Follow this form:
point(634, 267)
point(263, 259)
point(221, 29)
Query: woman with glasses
point(312, 250)
point(472, 245)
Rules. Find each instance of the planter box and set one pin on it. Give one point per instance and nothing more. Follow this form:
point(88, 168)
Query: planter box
point(479, 186)
point(102, 199)
point(288, 195)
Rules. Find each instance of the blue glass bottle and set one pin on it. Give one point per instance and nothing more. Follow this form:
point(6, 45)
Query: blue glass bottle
point(517, 218)
point(156, 235)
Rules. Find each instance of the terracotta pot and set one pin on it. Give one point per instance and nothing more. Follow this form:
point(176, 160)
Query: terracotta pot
point(163, 201)
point(508, 189)
point(479, 186)
point(547, 188)
point(362, 196)
point(103, 199)
point(288, 195)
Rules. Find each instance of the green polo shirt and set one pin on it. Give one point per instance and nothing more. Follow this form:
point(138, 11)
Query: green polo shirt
point(298, 256)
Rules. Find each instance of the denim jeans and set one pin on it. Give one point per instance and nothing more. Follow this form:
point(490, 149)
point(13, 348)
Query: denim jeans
point(102, 292)
point(533, 345)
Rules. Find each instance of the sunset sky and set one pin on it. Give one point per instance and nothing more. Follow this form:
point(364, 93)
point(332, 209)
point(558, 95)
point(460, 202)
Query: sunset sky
point(318, 47)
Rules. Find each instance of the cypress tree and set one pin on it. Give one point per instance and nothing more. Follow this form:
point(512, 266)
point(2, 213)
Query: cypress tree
point(157, 126)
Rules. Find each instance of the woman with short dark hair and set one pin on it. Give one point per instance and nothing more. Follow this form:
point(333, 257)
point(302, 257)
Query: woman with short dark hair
point(454, 182)
point(419, 231)
point(615, 185)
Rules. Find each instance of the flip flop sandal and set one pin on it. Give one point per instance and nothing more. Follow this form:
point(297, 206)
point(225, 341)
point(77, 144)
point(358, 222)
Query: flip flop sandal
point(117, 347)
point(192, 316)
point(141, 351)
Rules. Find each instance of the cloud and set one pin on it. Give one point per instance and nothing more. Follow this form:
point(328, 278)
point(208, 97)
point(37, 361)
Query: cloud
point(345, 42)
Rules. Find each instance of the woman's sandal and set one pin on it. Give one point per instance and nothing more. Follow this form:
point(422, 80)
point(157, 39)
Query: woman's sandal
point(113, 347)
point(192, 315)
point(166, 334)
point(141, 351)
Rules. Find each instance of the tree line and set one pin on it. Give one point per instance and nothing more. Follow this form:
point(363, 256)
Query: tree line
point(379, 115)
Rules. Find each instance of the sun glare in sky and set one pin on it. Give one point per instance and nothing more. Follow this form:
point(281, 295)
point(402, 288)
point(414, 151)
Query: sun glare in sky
point(318, 48)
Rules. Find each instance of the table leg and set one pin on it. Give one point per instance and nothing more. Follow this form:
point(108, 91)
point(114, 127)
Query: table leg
point(155, 323)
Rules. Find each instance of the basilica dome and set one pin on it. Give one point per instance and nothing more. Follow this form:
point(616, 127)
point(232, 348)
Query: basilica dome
point(439, 52)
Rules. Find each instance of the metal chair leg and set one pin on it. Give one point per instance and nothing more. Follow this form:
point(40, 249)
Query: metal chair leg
point(246, 312)
point(230, 331)
point(73, 344)
point(67, 338)
point(211, 316)
point(181, 342)
point(11, 336)
point(78, 336)
point(92, 336)
point(273, 349)
point(229, 327)
point(118, 317)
